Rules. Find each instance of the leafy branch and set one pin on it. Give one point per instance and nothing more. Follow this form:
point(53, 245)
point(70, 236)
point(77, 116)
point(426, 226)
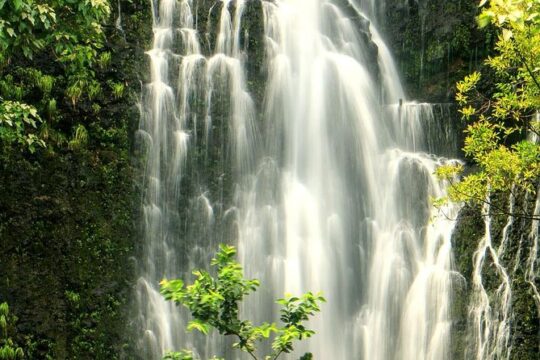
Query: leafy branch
point(214, 304)
point(501, 117)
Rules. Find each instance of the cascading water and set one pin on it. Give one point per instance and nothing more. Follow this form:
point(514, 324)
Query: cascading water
point(323, 185)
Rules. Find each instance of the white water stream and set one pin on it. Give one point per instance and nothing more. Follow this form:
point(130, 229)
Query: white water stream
point(322, 187)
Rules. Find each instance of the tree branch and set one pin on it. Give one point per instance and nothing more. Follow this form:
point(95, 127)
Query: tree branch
point(232, 332)
point(527, 67)
point(277, 355)
point(500, 211)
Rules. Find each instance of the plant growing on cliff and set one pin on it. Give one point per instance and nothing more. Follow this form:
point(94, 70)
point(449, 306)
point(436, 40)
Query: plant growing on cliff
point(504, 116)
point(66, 38)
point(8, 349)
point(17, 121)
point(214, 302)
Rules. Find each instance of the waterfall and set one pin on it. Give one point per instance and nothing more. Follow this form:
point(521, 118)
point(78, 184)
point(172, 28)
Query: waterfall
point(323, 184)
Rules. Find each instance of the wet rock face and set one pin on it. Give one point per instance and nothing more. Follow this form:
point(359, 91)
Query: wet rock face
point(372, 55)
point(252, 40)
point(505, 277)
point(435, 44)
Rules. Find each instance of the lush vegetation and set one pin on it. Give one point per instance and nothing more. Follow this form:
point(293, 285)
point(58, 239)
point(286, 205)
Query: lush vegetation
point(502, 110)
point(8, 349)
point(214, 302)
point(69, 79)
point(53, 55)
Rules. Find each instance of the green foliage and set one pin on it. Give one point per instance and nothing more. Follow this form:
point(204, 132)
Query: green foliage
point(502, 115)
point(117, 89)
point(8, 349)
point(76, 225)
point(214, 303)
point(105, 60)
point(21, 20)
point(80, 138)
point(17, 120)
point(184, 355)
point(70, 34)
point(73, 297)
point(30, 26)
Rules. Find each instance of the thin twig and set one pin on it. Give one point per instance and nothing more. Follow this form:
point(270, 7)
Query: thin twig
point(524, 61)
point(277, 355)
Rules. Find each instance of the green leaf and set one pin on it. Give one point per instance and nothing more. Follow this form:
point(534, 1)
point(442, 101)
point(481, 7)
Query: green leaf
point(3, 322)
point(17, 4)
point(484, 20)
point(507, 34)
point(182, 355)
point(199, 326)
point(4, 308)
